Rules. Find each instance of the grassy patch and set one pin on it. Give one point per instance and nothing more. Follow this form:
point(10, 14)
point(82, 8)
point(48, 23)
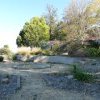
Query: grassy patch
point(80, 75)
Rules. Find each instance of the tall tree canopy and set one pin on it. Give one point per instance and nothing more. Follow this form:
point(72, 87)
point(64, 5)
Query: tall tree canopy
point(51, 19)
point(33, 33)
point(80, 15)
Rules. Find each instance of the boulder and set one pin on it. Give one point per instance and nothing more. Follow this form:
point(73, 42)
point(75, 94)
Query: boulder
point(4, 58)
point(5, 80)
point(65, 54)
point(53, 59)
point(21, 57)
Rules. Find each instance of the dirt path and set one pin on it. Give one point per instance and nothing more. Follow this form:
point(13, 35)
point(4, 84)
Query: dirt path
point(34, 87)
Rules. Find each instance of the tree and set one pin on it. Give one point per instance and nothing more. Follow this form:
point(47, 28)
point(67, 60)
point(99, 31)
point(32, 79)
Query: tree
point(94, 18)
point(60, 32)
point(76, 19)
point(79, 17)
point(33, 33)
point(51, 19)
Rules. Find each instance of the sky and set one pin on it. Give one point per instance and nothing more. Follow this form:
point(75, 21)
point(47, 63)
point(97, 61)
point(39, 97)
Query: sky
point(14, 13)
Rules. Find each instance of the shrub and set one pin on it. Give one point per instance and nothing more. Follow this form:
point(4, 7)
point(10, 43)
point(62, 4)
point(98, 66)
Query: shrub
point(44, 45)
point(14, 57)
point(74, 46)
point(7, 52)
point(92, 52)
point(26, 51)
point(1, 58)
point(94, 43)
point(55, 49)
point(81, 75)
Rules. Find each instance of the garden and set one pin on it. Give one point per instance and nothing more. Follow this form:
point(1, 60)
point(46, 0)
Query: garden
point(56, 59)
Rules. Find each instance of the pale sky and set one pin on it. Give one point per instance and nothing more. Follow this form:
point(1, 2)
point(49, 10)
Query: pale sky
point(14, 13)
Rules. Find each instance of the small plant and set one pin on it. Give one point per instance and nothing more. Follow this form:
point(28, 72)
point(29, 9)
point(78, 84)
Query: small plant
point(81, 75)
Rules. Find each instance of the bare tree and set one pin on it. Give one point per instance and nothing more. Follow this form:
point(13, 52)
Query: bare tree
point(76, 20)
point(51, 18)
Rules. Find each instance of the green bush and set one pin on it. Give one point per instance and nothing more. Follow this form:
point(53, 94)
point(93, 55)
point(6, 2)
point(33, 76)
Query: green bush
point(93, 52)
point(54, 50)
point(44, 45)
point(81, 75)
point(94, 43)
point(1, 58)
point(14, 57)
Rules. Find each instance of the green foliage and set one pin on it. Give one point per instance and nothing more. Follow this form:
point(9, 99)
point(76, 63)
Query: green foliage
point(51, 20)
point(81, 75)
point(59, 32)
point(33, 33)
point(92, 52)
point(14, 57)
point(54, 50)
point(94, 43)
point(76, 24)
point(1, 58)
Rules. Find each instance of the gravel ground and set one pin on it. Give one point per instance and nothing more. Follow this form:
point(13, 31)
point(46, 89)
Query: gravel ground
point(62, 82)
point(39, 84)
point(11, 86)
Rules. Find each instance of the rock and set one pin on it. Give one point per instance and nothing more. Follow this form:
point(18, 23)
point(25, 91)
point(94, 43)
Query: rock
point(65, 54)
point(53, 59)
point(31, 65)
point(70, 76)
point(4, 58)
point(5, 81)
point(82, 62)
point(21, 57)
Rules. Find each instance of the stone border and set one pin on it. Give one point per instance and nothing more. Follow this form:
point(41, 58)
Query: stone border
point(53, 59)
